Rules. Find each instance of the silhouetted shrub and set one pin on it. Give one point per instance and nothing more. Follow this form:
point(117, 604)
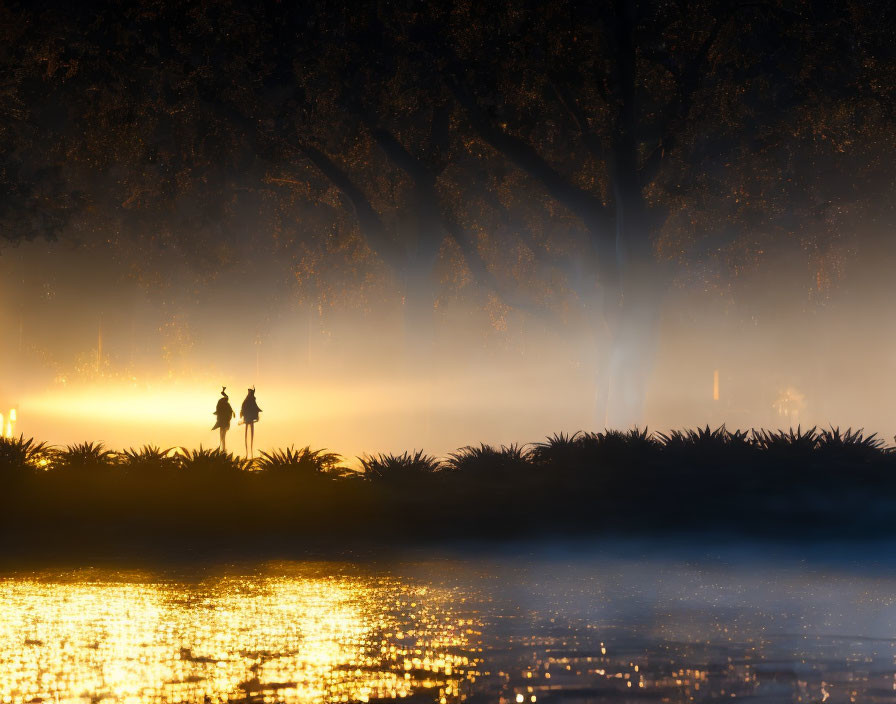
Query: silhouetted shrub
point(149, 460)
point(304, 463)
point(787, 443)
point(558, 450)
point(705, 440)
point(21, 455)
point(211, 461)
point(487, 462)
point(792, 482)
point(84, 457)
point(399, 469)
point(723, 452)
point(615, 447)
point(851, 444)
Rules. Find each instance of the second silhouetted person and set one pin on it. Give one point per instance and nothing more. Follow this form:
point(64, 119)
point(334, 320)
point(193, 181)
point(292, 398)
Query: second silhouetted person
point(249, 416)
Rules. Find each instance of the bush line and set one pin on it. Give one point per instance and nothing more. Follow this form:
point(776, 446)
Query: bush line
point(784, 483)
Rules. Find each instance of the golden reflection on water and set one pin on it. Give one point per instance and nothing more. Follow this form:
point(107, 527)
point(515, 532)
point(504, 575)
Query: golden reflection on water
point(308, 638)
point(510, 632)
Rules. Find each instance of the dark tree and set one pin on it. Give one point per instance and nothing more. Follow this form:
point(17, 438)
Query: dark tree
point(571, 159)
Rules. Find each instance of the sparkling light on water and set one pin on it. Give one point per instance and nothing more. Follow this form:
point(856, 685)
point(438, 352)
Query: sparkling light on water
point(511, 632)
point(309, 639)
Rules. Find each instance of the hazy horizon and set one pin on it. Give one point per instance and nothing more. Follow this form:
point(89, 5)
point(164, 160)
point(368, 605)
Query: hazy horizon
point(343, 378)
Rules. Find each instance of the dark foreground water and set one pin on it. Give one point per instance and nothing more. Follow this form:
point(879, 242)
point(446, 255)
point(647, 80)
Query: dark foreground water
point(583, 629)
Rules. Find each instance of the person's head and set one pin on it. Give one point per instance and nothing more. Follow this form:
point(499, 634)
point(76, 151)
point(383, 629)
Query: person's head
point(251, 392)
point(223, 388)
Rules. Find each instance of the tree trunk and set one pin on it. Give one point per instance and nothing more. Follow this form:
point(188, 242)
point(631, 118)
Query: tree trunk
point(422, 235)
point(418, 307)
point(632, 353)
point(633, 315)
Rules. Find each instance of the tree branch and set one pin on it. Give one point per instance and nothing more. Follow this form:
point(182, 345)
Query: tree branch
point(368, 219)
point(425, 183)
point(679, 108)
point(572, 107)
point(582, 203)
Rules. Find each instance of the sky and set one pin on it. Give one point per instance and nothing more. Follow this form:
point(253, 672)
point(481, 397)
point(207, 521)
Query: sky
point(431, 227)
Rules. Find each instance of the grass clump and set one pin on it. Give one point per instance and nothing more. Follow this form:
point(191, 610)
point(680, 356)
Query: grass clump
point(84, 457)
point(558, 449)
point(852, 444)
point(305, 463)
point(406, 468)
point(20, 455)
point(486, 461)
point(149, 460)
point(792, 443)
point(211, 461)
point(705, 440)
point(615, 447)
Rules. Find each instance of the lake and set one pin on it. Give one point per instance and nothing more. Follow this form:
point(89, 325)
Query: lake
point(538, 628)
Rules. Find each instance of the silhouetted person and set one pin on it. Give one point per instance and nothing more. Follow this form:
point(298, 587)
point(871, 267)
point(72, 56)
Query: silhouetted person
point(224, 413)
point(249, 415)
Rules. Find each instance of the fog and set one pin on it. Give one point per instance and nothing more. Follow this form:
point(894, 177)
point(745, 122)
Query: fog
point(93, 351)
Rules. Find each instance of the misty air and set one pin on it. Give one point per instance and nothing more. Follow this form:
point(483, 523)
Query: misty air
point(447, 351)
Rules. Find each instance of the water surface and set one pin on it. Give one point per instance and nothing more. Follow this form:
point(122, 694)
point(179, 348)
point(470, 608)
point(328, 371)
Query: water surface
point(500, 630)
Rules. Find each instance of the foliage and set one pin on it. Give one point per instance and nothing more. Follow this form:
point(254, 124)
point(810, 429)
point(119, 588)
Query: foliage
point(149, 459)
point(406, 468)
point(84, 457)
point(594, 450)
point(849, 445)
point(19, 454)
point(704, 439)
point(801, 482)
point(849, 438)
point(721, 447)
point(211, 461)
point(486, 120)
point(486, 461)
point(304, 463)
point(613, 443)
point(790, 442)
point(557, 449)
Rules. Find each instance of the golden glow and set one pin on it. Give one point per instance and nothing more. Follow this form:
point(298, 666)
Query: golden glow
point(180, 404)
point(715, 385)
point(351, 417)
point(303, 638)
point(789, 405)
point(123, 404)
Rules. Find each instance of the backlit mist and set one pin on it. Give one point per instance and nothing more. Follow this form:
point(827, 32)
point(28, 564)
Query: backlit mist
point(93, 354)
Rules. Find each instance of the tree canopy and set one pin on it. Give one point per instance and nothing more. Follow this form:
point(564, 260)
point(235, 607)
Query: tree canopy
point(555, 157)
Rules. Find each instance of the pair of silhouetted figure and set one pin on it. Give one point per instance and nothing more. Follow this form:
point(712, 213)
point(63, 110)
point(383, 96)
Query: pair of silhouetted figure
point(248, 416)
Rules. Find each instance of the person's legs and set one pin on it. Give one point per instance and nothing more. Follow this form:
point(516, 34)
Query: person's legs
point(246, 438)
point(223, 440)
point(252, 433)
